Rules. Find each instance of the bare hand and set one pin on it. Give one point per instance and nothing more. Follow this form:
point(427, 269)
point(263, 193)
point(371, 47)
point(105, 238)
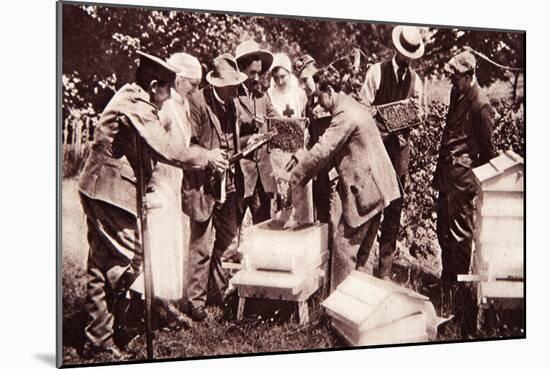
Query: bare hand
point(253, 138)
point(259, 121)
point(217, 159)
point(281, 176)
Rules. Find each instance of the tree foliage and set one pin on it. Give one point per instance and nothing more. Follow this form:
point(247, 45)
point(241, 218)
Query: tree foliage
point(504, 48)
point(99, 45)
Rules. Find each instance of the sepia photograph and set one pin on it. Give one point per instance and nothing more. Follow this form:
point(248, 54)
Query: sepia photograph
point(239, 184)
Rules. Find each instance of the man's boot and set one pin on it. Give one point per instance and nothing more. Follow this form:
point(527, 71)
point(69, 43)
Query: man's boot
point(385, 261)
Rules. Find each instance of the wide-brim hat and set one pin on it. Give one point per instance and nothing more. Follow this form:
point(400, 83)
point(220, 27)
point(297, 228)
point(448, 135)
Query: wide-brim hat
point(251, 48)
point(188, 65)
point(225, 72)
point(408, 41)
point(155, 62)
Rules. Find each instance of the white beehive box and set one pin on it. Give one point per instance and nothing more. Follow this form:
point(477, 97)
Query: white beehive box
point(498, 255)
point(283, 264)
point(370, 311)
point(297, 250)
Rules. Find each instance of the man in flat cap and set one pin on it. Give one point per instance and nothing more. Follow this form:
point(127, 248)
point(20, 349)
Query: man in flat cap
point(387, 82)
point(108, 190)
point(253, 106)
point(366, 181)
point(466, 143)
point(213, 117)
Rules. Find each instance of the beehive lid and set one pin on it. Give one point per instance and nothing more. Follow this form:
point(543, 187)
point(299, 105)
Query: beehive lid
point(497, 166)
point(364, 302)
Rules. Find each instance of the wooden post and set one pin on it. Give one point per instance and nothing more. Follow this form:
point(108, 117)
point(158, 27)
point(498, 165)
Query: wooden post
point(144, 241)
point(303, 313)
point(66, 132)
point(240, 308)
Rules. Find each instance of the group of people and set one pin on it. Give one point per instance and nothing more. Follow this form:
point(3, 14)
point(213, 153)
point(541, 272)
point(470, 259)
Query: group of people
point(165, 132)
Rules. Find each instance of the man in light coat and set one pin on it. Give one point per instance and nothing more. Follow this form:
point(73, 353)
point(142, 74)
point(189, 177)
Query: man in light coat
point(366, 183)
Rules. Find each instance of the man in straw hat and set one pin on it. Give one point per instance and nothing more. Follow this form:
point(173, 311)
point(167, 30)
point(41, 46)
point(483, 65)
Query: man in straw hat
point(213, 117)
point(366, 181)
point(466, 143)
point(253, 105)
point(108, 191)
point(387, 82)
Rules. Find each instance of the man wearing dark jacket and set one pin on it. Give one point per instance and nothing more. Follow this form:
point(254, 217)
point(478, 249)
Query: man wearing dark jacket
point(108, 190)
point(387, 82)
point(253, 106)
point(213, 118)
point(466, 144)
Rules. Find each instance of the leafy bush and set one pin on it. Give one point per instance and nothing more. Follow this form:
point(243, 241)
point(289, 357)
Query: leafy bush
point(509, 127)
point(419, 212)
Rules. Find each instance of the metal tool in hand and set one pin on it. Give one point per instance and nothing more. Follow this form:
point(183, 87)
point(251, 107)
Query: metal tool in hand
point(219, 176)
point(259, 142)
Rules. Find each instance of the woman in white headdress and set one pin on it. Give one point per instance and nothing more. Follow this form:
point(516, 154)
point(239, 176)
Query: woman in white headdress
point(286, 95)
point(289, 100)
point(168, 225)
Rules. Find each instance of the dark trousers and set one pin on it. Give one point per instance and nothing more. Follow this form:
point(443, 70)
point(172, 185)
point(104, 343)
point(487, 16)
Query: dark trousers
point(259, 204)
point(206, 257)
point(321, 192)
point(399, 151)
point(114, 262)
point(455, 231)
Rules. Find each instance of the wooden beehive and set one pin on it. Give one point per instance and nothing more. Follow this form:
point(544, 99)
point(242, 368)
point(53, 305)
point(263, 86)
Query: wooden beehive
point(369, 311)
point(498, 254)
point(283, 264)
point(296, 250)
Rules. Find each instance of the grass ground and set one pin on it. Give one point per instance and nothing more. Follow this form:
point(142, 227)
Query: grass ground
point(269, 327)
